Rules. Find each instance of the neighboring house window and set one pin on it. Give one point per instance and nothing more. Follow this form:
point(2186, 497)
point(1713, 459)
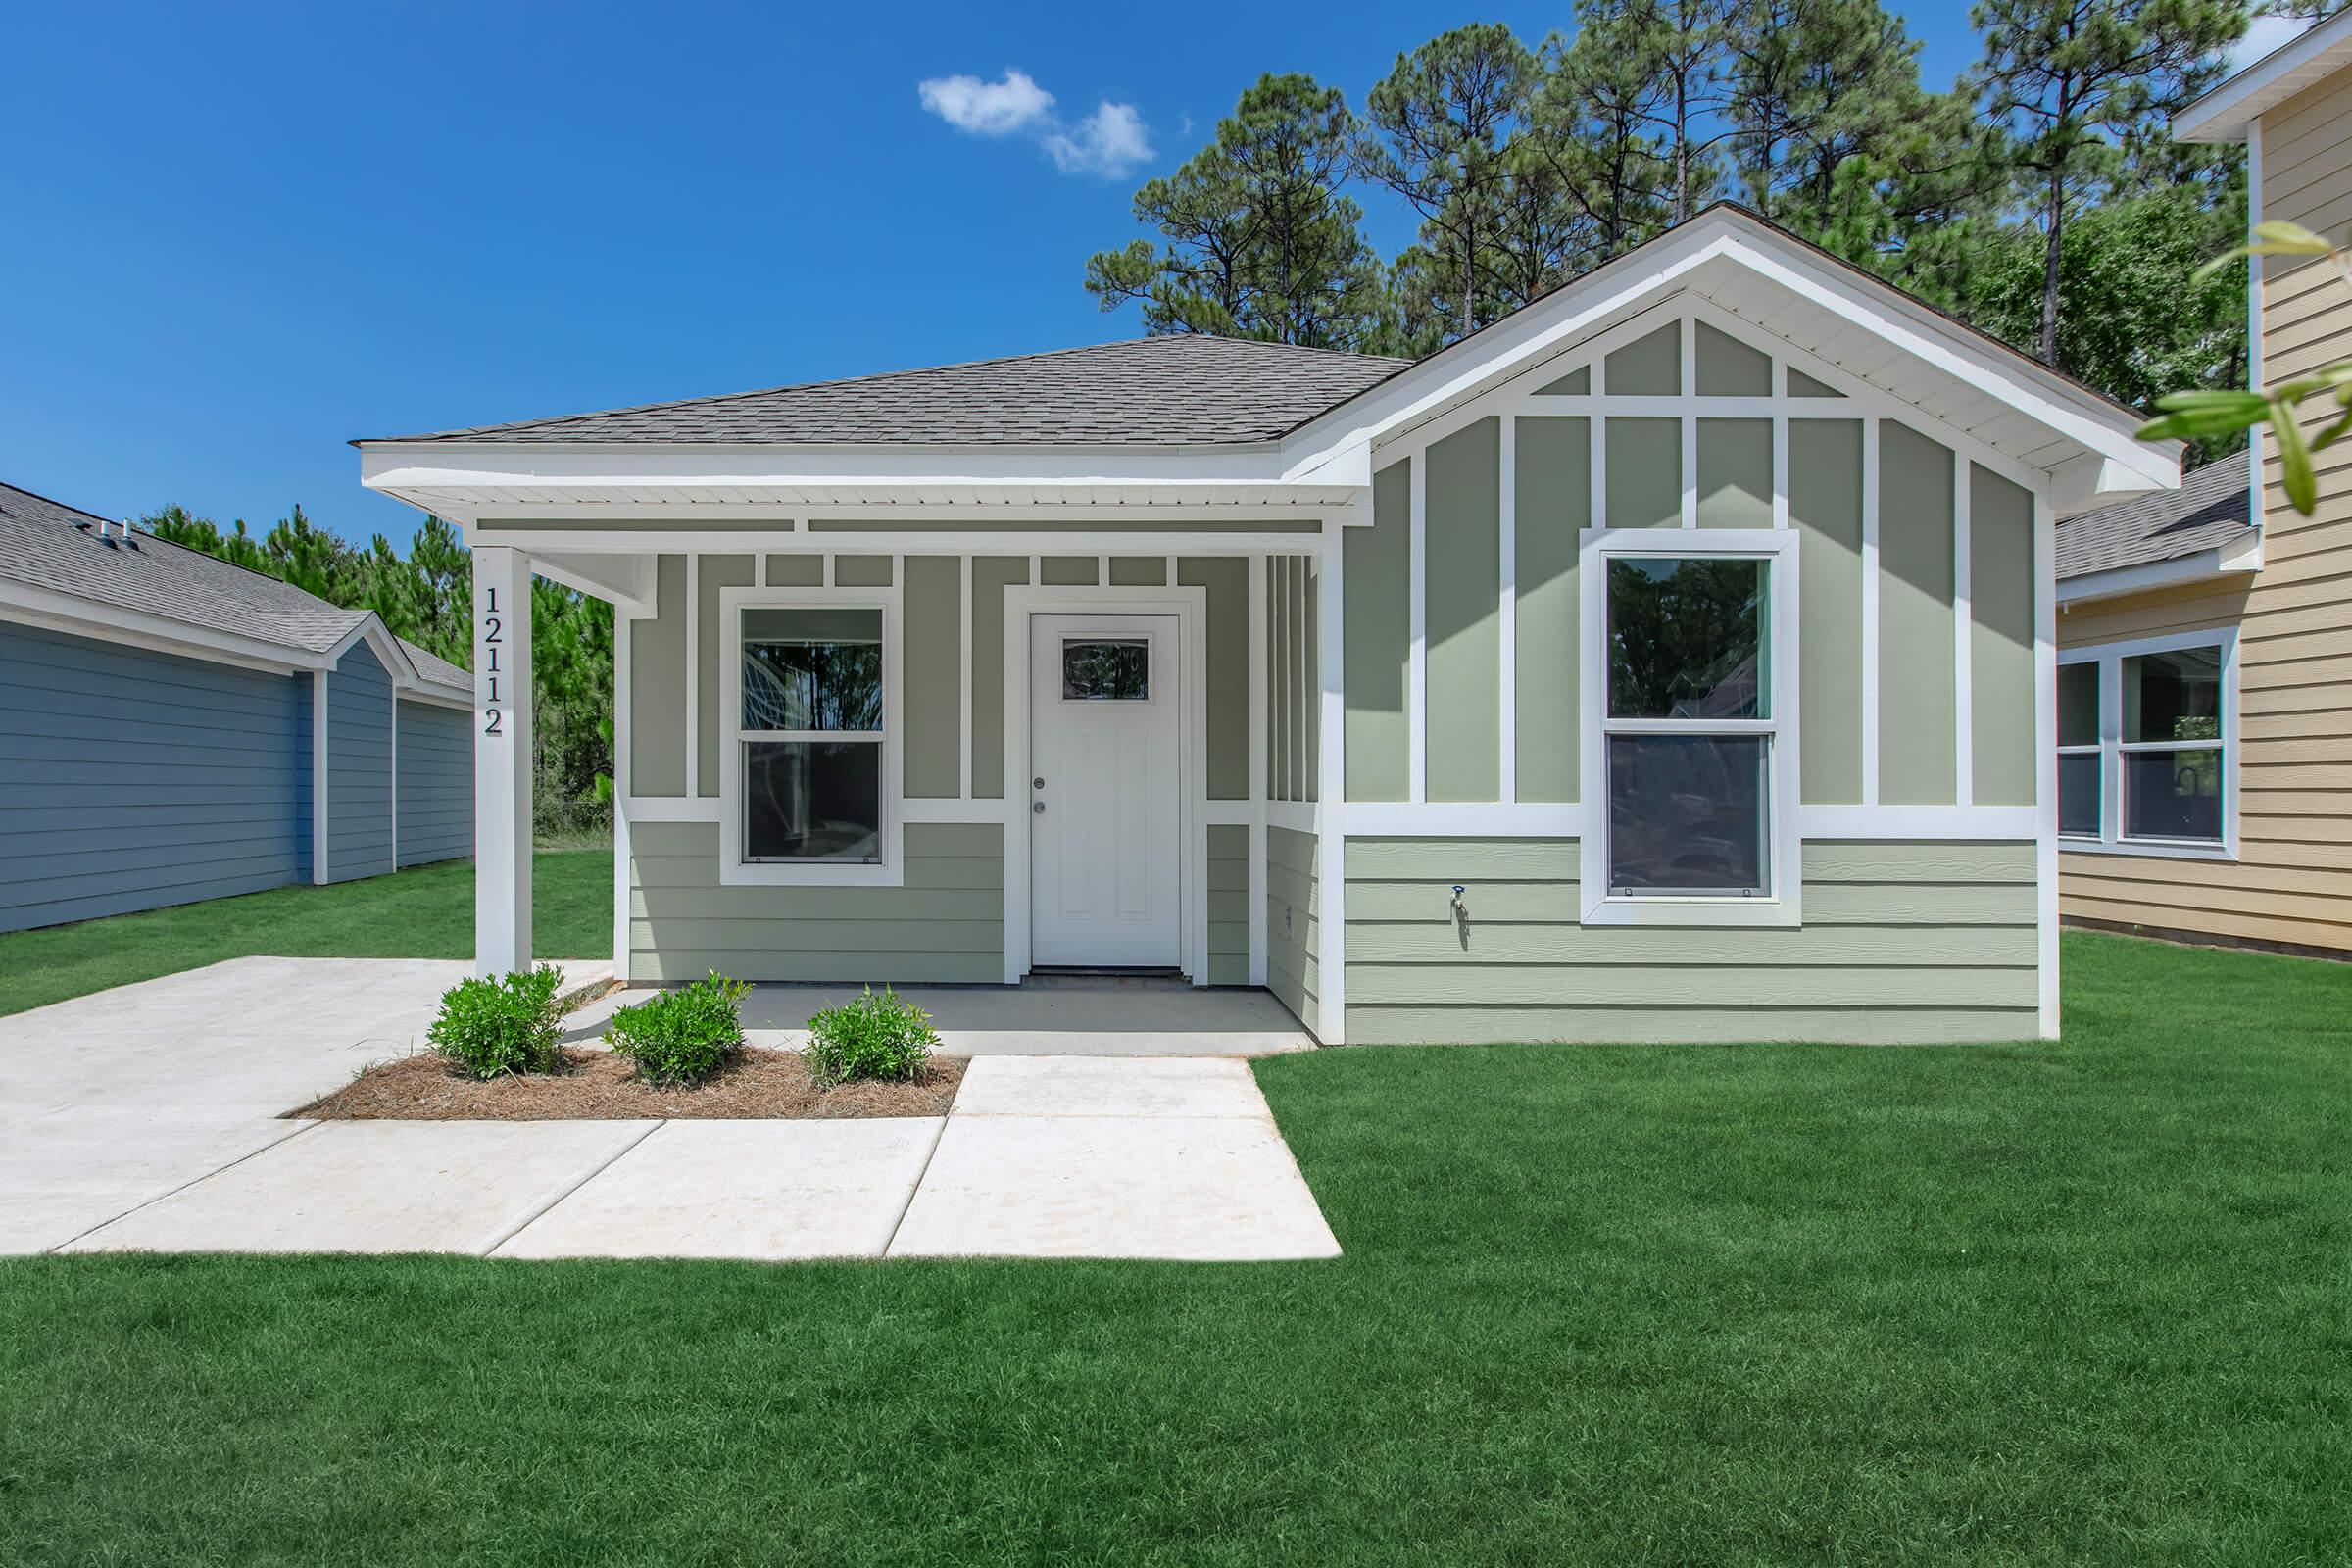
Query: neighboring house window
point(1690, 726)
point(809, 789)
point(813, 730)
point(1690, 701)
point(2148, 745)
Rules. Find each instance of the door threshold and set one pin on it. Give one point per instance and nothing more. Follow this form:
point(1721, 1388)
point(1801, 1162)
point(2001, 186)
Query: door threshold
point(1052, 974)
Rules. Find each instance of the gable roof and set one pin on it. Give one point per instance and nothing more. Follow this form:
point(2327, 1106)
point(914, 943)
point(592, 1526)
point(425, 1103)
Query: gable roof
point(2211, 510)
point(1181, 390)
point(1229, 423)
point(48, 545)
point(2229, 108)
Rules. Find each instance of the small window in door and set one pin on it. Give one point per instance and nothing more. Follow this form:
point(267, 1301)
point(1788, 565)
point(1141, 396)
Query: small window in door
point(1105, 670)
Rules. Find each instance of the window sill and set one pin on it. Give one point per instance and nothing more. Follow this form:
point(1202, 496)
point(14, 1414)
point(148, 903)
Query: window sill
point(1783, 910)
point(2148, 849)
point(778, 874)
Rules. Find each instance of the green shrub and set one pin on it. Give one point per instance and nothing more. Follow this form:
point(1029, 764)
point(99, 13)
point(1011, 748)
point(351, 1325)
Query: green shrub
point(882, 1037)
point(487, 1028)
point(681, 1036)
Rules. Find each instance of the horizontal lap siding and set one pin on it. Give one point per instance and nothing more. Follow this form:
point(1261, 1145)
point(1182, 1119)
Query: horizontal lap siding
point(1294, 910)
point(1901, 941)
point(436, 783)
point(2292, 881)
point(1228, 905)
point(945, 925)
point(132, 780)
point(358, 766)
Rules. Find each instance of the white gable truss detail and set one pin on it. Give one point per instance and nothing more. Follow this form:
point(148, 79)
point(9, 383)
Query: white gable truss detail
point(1739, 276)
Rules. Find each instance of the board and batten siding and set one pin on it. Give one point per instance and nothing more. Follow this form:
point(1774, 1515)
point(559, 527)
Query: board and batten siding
point(1902, 941)
point(2291, 883)
point(358, 766)
point(435, 798)
point(1916, 589)
point(133, 779)
point(1293, 915)
point(936, 604)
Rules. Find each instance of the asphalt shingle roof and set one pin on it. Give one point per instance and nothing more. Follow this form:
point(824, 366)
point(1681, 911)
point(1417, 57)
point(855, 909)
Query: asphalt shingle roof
point(50, 545)
point(2211, 507)
point(1172, 391)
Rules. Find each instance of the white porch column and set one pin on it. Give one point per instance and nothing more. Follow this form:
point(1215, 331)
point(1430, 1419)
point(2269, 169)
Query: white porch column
point(502, 761)
point(1331, 781)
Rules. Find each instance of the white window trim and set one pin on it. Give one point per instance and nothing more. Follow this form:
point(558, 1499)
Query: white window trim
point(2111, 748)
point(1785, 906)
point(733, 870)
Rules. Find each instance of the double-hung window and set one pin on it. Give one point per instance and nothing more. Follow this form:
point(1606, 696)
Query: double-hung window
point(1693, 736)
point(810, 784)
point(2148, 745)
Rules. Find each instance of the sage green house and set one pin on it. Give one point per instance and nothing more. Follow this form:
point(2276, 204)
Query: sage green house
point(1673, 660)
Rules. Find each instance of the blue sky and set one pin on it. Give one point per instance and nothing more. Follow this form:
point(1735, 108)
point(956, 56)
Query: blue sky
point(240, 235)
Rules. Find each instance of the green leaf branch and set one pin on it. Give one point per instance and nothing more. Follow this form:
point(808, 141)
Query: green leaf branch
point(2188, 415)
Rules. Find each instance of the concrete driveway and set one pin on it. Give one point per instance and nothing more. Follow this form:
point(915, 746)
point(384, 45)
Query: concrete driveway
point(151, 1118)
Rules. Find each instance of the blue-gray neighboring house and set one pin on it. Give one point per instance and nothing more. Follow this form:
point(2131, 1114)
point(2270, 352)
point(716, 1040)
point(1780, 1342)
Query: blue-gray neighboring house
point(173, 727)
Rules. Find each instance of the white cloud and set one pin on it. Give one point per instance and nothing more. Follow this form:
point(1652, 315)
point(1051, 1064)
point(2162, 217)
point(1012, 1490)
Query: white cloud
point(987, 108)
point(1110, 141)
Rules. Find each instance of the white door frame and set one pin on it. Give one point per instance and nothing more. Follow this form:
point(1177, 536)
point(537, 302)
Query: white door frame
point(1190, 607)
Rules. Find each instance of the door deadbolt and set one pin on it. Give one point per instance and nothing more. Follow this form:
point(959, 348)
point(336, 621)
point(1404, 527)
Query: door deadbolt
point(1037, 783)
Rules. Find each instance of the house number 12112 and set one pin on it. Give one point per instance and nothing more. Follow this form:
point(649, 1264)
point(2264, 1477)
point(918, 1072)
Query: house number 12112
point(493, 636)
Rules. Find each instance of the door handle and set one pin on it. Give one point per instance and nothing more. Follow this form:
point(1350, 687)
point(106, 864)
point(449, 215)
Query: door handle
point(1038, 807)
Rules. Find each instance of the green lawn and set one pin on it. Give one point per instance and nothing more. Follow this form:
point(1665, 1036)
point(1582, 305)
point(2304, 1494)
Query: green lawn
point(423, 912)
point(2057, 1304)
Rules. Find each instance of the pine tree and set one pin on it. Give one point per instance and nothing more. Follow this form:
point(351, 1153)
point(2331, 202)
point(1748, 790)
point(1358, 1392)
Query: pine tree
point(1443, 123)
point(1260, 242)
point(2075, 86)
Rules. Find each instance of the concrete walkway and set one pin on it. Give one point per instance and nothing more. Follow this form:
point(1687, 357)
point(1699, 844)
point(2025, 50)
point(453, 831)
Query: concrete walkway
point(109, 1142)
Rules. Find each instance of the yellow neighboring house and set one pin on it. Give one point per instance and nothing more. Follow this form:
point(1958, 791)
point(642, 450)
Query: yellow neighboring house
point(2205, 635)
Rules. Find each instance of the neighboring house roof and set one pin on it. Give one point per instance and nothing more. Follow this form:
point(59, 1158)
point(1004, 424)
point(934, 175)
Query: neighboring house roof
point(46, 544)
point(1184, 390)
point(2210, 511)
point(439, 671)
point(2226, 113)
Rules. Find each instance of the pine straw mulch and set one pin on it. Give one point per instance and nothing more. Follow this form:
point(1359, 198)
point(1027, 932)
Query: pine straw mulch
point(596, 1086)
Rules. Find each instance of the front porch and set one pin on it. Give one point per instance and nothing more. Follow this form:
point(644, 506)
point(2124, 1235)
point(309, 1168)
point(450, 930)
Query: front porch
point(1046, 1017)
point(1200, 860)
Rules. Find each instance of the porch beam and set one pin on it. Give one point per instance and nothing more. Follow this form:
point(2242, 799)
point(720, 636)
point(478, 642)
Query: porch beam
point(502, 761)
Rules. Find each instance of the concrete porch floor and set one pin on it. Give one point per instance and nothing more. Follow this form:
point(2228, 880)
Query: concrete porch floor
point(1057, 1016)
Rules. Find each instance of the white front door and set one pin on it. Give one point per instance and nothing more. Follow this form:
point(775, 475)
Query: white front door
point(1104, 824)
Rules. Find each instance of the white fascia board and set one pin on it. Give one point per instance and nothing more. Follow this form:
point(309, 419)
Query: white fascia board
point(391, 466)
point(87, 618)
point(2206, 566)
point(2226, 113)
point(2079, 415)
